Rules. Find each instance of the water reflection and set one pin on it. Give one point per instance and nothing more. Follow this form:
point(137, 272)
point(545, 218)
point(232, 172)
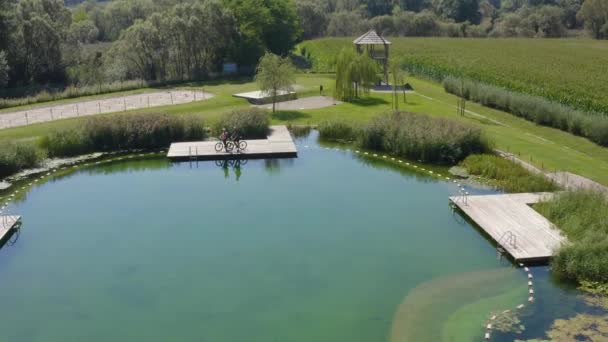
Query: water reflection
point(234, 164)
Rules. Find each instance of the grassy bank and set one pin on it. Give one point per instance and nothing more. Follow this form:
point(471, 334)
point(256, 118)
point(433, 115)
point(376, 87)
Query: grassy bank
point(505, 174)
point(583, 217)
point(414, 136)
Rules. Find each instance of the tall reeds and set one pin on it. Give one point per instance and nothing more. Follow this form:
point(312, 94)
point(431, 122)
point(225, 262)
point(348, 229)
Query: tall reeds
point(506, 174)
point(15, 157)
point(583, 217)
point(591, 125)
point(414, 136)
point(124, 132)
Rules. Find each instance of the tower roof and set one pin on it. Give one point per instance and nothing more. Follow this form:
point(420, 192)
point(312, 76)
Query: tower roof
point(371, 38)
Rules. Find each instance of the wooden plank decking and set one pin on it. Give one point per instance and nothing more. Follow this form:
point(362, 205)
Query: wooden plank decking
point(279, 144)
point(7, 222)
point(533, 237)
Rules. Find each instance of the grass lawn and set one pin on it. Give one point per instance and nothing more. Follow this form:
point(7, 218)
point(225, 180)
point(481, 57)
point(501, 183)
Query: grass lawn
point(547, 148)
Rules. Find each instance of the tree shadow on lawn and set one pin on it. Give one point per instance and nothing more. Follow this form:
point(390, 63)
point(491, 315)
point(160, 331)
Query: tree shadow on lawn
point(368, 101)
point(288, 115)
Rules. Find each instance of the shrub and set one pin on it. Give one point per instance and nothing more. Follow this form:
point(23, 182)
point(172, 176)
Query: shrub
point(414, 136)
point(590, 125)
point(583, 217)
point(421, 137)
point(15, 157)
point(337, 130)
point(124, 132)
point(251, 123)
point(506, 174)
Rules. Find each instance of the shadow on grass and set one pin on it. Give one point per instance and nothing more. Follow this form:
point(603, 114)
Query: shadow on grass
point(288, 115)
point(368, 101)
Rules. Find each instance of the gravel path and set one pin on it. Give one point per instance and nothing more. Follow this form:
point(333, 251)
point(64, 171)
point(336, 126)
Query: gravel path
point(100, 106)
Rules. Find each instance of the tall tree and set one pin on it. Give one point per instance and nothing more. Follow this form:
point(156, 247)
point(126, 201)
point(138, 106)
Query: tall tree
point(271, 25)
point(41, 29)
point(313, 18)
point(595, 15)
point(274, 74)
point(459, 10)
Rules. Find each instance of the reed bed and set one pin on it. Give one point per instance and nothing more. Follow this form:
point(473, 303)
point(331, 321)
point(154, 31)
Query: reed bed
point(414, 136)
point(250, 123)
point(505, 174)
point(123, 132)
point(583, 217)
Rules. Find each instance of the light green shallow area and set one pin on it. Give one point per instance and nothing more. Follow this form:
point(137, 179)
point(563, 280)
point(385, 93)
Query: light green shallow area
point(325, 247)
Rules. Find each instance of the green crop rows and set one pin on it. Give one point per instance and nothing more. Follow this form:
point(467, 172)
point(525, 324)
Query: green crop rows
point(569, 71)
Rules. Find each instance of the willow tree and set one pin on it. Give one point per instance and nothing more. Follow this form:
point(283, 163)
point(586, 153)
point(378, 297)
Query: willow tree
point(274, 74)
point(355, 75)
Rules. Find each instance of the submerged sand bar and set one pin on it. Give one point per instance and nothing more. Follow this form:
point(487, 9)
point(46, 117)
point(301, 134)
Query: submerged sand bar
point(278, 144)
point(508, 218)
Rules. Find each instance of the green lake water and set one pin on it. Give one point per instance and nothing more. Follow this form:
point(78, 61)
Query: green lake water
point(325, 247)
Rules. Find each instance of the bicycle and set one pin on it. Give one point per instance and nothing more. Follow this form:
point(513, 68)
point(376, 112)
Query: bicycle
point(239, 144)
point(230, 145)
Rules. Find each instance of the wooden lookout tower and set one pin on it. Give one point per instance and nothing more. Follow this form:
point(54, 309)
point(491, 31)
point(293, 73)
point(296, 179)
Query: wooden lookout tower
point(368, 42)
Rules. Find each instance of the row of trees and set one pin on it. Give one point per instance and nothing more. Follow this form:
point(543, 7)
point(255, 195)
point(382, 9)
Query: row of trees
point(476, 18)
point(44, 42)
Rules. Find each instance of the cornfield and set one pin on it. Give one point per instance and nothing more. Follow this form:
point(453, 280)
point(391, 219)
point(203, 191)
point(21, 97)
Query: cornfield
point(572, 72)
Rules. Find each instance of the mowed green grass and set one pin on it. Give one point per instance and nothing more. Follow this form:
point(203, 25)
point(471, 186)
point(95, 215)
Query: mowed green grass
point(569, 71)
point(544, 147)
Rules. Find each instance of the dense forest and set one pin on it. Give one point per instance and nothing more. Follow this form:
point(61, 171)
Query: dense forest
point(71, 42)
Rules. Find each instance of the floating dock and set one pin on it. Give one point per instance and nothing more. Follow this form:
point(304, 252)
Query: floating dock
point(7, 223)
point(259, 97)
point(510, 221)
point(278, 144)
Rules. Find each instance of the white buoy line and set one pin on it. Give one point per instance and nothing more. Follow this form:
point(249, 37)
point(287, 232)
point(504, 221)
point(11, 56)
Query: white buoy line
point(519, 307)
point(489, 325)
point(384, 156)
point(48, 173)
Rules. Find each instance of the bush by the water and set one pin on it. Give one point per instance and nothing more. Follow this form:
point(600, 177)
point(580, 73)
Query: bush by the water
point(420, 137)
point(593, 126)
point(251, 123)
point(506, 174)
point(337, 130)
point(15, 157)
point(124, 132)
point(414, 136)
point(583, 217)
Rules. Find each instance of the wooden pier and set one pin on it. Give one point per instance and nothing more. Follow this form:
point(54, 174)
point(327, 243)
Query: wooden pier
point(7, 223)
point(278, 144)
point(510, 221)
